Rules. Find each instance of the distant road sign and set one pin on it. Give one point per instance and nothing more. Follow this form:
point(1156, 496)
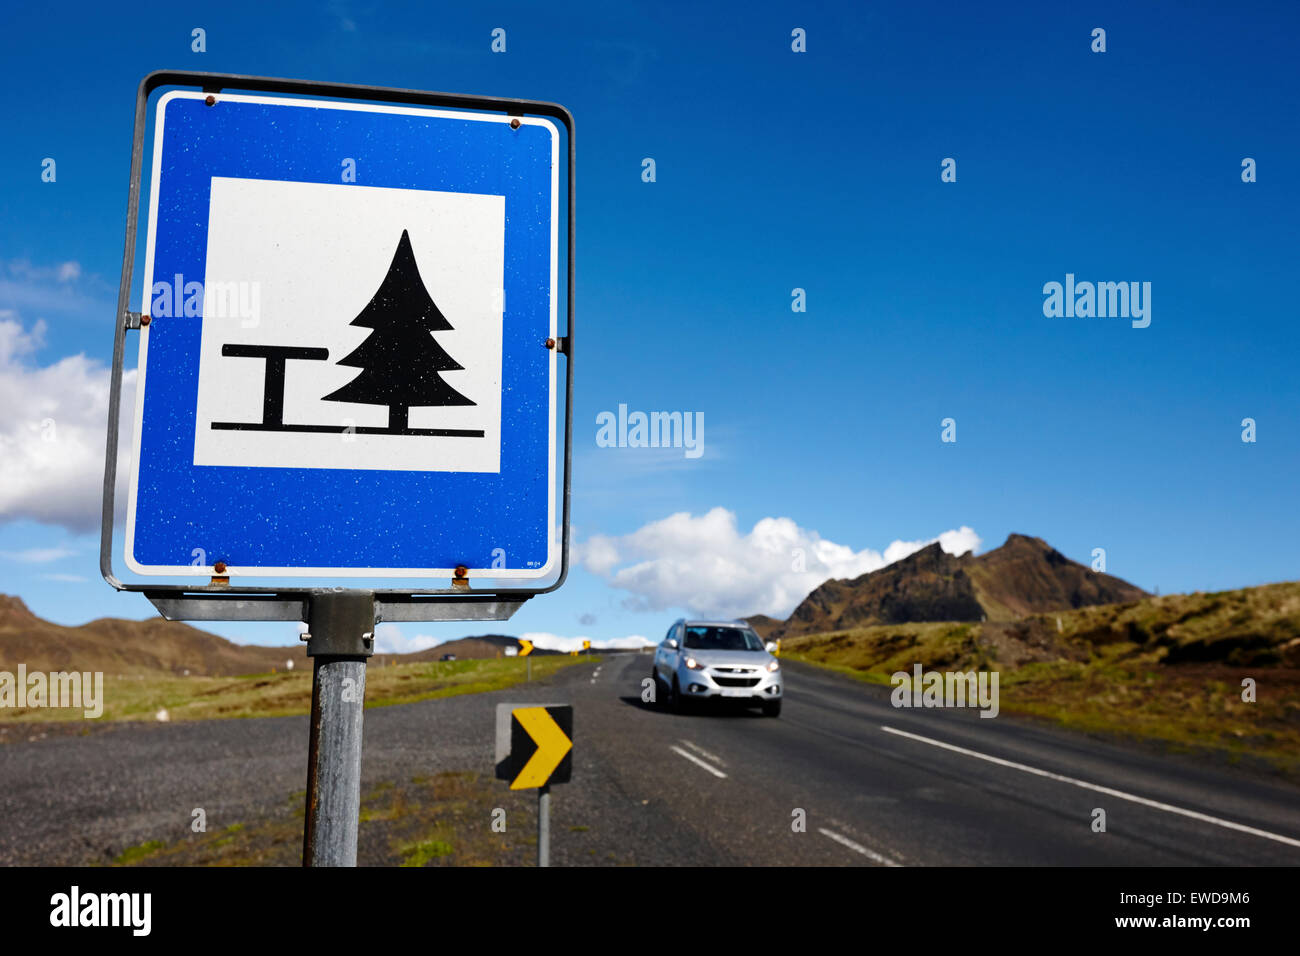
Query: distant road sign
point(525, 647)
point(345, 368)
point(534, 744)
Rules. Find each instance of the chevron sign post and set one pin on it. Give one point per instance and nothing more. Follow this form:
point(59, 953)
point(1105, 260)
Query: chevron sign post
point(526, 648)
point(534, 749)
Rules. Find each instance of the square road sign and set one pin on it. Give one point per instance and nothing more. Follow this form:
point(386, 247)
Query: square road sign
point(534, 744)
point(344, 371)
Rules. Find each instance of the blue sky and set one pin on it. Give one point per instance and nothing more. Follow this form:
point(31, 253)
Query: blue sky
point(776, 170)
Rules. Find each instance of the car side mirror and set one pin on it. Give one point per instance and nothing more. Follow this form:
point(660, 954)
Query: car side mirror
point(771, 647)
point(672, 642)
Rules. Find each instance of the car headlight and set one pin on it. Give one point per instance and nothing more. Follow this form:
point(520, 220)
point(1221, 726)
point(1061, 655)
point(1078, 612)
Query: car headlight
point(693, 664)
point(774, 665)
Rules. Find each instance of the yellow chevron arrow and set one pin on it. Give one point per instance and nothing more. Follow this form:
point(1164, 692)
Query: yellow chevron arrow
point(551, 742)
point(525, 647)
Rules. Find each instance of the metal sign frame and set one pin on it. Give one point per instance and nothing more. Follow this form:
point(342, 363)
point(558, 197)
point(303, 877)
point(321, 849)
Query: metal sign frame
point(221, 601)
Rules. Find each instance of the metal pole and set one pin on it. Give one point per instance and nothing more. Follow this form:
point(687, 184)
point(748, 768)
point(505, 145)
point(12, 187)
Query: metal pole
point(530, 667)
point(544, 825)
point(340, 637)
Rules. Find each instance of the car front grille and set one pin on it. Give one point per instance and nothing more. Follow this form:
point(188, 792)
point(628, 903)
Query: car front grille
point(735, 681)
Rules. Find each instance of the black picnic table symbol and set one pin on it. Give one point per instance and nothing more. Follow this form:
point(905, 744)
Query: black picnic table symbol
point(400, 361)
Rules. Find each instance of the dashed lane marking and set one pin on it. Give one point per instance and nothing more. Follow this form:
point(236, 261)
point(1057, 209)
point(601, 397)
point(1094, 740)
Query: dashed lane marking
point(704, 753)
point(697, 761)
point(857, 847)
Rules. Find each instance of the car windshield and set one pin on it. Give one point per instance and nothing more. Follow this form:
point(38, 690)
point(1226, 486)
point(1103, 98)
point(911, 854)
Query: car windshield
point(702, 638)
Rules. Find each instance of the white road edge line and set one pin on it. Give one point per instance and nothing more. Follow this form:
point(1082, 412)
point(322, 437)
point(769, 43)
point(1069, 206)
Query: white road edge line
point(857, 847)
point(697, 761)
point(1109, 791)
point(704, 753)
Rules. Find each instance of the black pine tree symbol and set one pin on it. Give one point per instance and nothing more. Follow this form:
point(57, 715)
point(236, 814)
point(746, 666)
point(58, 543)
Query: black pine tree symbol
point(400, 361)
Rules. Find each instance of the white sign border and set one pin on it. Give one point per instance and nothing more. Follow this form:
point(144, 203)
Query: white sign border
point(208, 570)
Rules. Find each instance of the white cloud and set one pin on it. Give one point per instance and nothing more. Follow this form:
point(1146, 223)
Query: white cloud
point(52, 435)
point(705, 565)
point(343, 15)
point(599, 554)
point(37, 555)
point(61, 289)
point(555, 642)
point(389, 639)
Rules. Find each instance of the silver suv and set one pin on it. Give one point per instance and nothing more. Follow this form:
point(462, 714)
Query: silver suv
point(699, 660)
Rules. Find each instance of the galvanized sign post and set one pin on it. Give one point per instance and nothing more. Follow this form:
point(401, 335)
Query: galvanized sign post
point(544, 825)
point(347, 335)
point(525, 651)
point(340, 636)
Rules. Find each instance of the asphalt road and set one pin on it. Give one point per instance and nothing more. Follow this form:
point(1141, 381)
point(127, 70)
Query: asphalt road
point(873, 785)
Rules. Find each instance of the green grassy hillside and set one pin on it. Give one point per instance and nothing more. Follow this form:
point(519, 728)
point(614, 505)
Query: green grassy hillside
point(289, 692)
point(1168, 669)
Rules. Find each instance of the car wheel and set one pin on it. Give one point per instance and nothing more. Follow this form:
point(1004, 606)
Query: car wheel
point(771, 708)
point(679, 703)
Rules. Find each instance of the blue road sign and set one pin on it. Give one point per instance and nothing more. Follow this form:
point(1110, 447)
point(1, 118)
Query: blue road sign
point(344, 369)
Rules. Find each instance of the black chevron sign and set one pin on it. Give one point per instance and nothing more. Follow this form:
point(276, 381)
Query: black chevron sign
point(540, 739)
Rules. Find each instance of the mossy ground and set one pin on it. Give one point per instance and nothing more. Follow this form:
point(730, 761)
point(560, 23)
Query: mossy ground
point(443, 820)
